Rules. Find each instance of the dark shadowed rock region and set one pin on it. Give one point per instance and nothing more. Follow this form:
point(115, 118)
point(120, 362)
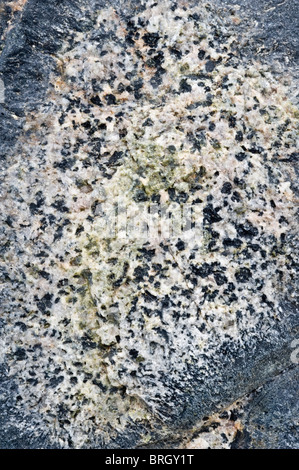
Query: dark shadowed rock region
point(149, 220)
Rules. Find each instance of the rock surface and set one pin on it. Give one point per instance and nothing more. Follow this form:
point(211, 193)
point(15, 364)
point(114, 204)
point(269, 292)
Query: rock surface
point(149, 234)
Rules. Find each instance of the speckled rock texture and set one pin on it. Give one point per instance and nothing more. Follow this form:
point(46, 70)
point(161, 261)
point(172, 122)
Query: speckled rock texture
point(149, 199)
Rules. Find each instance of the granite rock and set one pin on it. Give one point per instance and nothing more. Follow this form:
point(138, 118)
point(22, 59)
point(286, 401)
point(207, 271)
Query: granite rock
point(149, 158)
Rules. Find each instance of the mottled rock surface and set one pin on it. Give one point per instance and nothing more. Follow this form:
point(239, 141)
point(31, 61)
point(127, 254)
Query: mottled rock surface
point(149, 200)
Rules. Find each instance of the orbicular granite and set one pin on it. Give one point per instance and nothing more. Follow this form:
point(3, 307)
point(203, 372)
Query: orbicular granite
point(148, 227)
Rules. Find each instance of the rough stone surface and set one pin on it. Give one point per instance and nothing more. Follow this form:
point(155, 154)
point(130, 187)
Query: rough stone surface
point(177, 326)
point(270, 418)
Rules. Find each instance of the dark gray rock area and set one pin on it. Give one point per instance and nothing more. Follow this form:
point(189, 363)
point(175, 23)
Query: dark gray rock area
point(271, 417)
point(272, 27)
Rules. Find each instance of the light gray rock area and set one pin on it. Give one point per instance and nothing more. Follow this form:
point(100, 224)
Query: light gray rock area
point(149, 221)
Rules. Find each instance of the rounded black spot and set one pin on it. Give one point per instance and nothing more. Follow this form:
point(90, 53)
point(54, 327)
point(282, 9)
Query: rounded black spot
point(210, 65)
point(236, 197)
point(96, 100)
point(236, 242)
point(147, 122)
point(180, 245)
point(247, 230)
point(226, 188)
point(140, 196)
point(231, 121)
point(156, 198)
point(240, 156)
point(201, 54)
point(110, 99)
point(171, 149)
point(151, 39)
point(211, 215)
point(20, 354)
point(220, 279)
point(185, 87)
point(239, 136)
point(243, 275)
point(133, 353)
